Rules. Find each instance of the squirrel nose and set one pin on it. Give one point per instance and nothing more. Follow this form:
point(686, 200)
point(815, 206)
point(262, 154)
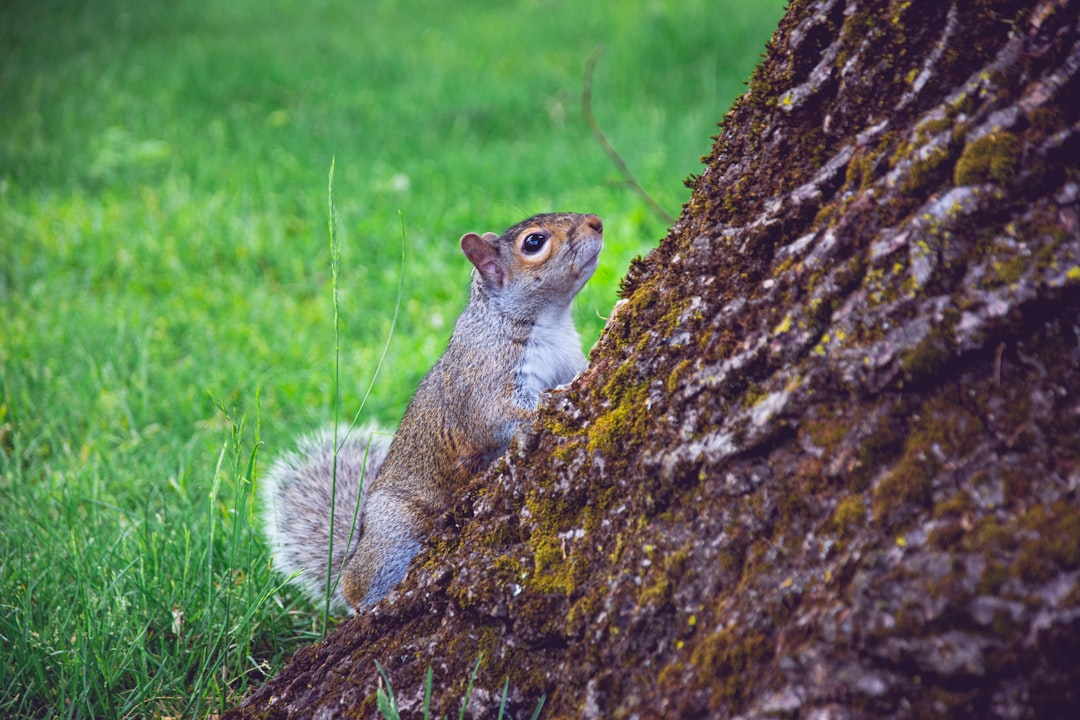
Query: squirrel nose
point(595, 223)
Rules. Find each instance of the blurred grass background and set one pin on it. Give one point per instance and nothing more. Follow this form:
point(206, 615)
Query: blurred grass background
point(164, 251)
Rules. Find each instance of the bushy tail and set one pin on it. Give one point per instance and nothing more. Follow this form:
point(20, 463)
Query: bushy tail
point(296, 493)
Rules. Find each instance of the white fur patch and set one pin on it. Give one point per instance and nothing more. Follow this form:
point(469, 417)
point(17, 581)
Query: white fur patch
point(552, 356)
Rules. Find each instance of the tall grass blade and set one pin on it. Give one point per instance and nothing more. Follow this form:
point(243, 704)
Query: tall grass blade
point(468, 688)
point(335, 256)
point(384, 699)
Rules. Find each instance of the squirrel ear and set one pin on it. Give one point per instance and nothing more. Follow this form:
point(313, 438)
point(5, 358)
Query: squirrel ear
point(483, 253)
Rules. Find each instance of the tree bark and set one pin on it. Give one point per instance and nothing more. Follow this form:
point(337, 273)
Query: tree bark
point(825, 460)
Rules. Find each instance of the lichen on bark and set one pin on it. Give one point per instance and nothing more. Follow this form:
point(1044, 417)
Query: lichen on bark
point(826, 457)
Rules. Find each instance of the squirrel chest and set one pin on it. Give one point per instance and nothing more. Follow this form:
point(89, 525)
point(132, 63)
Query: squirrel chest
point(551, 357)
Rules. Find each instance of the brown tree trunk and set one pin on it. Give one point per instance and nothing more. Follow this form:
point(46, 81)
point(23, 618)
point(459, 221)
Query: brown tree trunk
point(825, 461)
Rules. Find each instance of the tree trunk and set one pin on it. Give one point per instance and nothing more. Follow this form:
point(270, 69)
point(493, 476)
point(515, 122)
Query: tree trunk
point(825, 461)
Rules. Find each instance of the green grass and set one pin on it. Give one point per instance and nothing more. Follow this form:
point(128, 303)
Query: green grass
point(164, 250)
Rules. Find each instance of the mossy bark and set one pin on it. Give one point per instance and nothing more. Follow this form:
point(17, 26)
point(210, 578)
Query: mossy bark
point(825, 461)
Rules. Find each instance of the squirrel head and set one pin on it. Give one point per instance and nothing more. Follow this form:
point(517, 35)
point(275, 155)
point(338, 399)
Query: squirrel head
point(540, 261)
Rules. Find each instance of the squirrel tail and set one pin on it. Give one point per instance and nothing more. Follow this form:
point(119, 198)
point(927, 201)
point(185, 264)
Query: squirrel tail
point(296, 493)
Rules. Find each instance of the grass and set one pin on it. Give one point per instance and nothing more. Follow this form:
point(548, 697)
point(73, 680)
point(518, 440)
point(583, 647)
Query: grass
point(165, 308)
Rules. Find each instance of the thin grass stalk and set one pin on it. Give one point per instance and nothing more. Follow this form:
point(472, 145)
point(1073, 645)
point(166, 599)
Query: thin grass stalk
point(335, 256)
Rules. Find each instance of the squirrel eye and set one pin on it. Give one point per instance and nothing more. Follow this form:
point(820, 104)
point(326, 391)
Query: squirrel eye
point(533, 243)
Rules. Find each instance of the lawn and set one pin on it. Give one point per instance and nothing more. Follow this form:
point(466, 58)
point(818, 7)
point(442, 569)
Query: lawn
point(166, 314)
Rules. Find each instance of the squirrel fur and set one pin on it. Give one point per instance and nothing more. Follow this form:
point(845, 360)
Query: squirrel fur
point(514, 339)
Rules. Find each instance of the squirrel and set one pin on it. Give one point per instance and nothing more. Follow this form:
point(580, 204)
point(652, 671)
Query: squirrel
point(514, 339)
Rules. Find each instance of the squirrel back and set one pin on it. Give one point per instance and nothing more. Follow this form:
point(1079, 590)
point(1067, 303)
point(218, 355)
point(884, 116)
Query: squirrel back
point(296, 497)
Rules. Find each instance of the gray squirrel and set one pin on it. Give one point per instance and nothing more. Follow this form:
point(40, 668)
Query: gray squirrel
point(514, 339)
